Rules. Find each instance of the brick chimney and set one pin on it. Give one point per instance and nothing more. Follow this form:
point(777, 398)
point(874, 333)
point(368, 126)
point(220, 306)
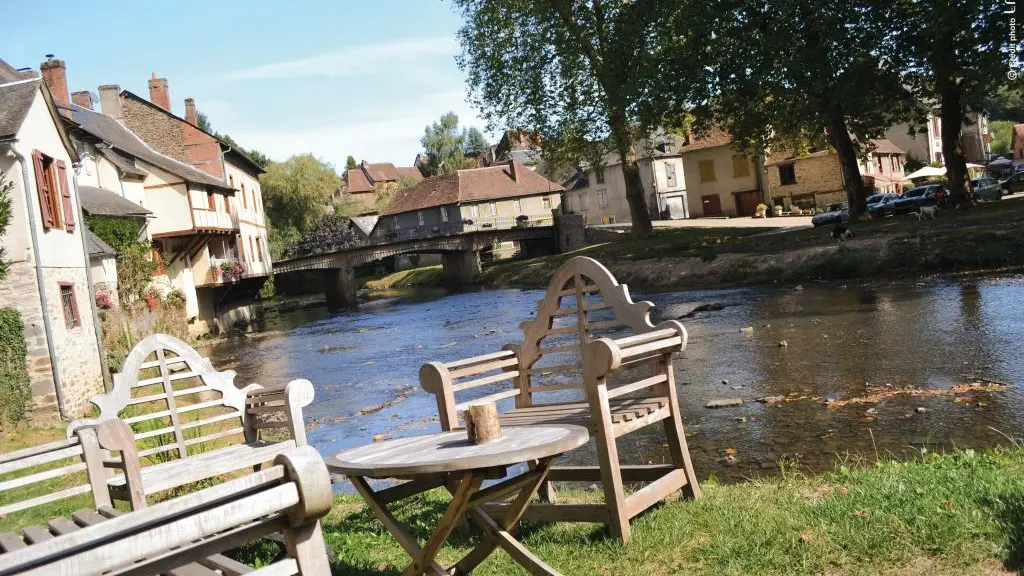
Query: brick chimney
point(513, 170)
point(82, 98)
point(190, 112)
point(159, 94)
point(110, 101)
point(55, 76)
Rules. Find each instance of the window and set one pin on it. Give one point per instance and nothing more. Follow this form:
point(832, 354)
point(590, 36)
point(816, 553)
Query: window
point(53, 192)
point(583, 201)
point(444, 214)
point(938, 157)
point(670, 175)
point(252, 248)
point(599, 175)
point(707, 170)
point(210, 202)
point(70, 305)
point(787, 174)
point(475, 211)
point(494, 208)
point(602, 198)
point(547, 202)
point(419, 217)
point(936, 126)
point(517, 206)
point(227, 202)
point(245, 203)
point(394, 222)
point(259, 251)
point(740, 166)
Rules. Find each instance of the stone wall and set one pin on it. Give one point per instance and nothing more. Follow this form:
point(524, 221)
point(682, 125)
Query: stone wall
point(158, 129)
point(570, 233)
point(76, 348)
point(818, 175)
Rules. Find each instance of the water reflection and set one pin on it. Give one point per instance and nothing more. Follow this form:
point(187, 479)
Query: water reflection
point(840, 341)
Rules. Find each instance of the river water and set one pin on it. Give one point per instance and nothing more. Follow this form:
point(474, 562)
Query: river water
point(841, 341)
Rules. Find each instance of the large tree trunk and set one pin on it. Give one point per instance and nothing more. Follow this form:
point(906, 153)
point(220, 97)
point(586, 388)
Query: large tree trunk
point(635, 195)
point(839, 138)
point(951, 112)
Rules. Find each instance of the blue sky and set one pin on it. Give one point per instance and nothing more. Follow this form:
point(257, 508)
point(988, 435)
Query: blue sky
point(332, 78)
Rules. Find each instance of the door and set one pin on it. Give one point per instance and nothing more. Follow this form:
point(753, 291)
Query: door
point(746, 202)
point(712, 205)
point(675, 207)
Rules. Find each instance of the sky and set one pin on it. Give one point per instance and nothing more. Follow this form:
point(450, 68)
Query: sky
point(348, 77)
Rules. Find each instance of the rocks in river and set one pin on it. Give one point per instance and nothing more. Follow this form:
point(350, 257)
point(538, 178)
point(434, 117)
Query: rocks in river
point(724, 403)
point(729, 460)
point(747, 329)
point(771, 399)
point(710, 307)
point(920, 409)
point(737, 387)
point(783, 344)
point(725, 382)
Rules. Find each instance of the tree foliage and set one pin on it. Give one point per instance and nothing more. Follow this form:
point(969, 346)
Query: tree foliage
point(295, 191)
point(579, 73)
point(135, 266)
point(329, 232)
point(1002, 135)
point(445, 146)
point(350, 163)
point(953, 56)
point(476, 142)
point(387, 191)
point(6, 213)
point(15, 390)
point(1007, 102)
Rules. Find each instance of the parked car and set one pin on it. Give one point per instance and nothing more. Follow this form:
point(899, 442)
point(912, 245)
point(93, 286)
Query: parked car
point(986, 189)
point(881, 205)
point(915, 198)
point(1014, 184)
point(834, 214)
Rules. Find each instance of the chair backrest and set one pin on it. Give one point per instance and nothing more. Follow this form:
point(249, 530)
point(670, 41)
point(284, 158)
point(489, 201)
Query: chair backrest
point(175, 401)
point(583, 302)
point(58, 470)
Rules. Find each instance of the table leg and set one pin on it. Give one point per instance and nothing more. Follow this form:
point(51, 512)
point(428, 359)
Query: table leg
point(468, 484)
point(497, 534)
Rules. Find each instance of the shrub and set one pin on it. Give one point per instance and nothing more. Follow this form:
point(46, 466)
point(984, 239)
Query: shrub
point(14, 384)
point(104, 302)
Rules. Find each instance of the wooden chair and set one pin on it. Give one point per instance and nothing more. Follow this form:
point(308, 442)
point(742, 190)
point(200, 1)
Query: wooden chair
point(191, 422)
point(182, 536)
point(597, 360)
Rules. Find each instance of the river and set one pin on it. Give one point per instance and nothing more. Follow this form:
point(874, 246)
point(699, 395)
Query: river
point(841, 341)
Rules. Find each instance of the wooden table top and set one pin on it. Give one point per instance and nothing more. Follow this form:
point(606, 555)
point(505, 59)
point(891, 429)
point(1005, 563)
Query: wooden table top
point(453, 452)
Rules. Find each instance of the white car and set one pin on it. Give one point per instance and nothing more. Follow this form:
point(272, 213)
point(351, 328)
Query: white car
point(834, 214)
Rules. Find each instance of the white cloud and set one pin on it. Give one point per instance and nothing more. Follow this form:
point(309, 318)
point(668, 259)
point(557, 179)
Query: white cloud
point(355, 61)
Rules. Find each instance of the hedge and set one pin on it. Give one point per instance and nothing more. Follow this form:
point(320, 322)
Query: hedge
point(15, 392)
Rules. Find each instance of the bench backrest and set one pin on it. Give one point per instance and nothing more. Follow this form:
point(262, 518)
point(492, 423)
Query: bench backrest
point(59, 470)
point(288, 497)
point(175, 401)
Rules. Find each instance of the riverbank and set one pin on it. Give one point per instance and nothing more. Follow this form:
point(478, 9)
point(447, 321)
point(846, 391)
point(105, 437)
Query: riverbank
point(984, 239)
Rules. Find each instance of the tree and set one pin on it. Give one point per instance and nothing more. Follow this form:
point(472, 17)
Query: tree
point(329, 232)
point(954, 56)
point(445, 146)
point(259, 158)
point(350, 163)
point(476, 143)
point(6, 214)
point(579, 73)
point(387, 191)
point(1002, 134)
point(203, 122)
point(788, 72)
point(295, 193)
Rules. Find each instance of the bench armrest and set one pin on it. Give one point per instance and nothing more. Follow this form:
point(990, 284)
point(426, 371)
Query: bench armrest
point(605, 356)
point(287, 402)
point(117, 436)
point(443, 380)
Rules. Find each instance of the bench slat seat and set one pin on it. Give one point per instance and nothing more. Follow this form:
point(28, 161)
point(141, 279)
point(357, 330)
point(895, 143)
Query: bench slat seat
point(587, 336)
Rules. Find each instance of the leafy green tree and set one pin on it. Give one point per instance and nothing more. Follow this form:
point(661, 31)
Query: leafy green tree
point(476, 142)
point(6, 214)
point(203, 122)
point(1002, 134)
point(789, 71)
point(135, 266)
point(445, 146)
point(350, 163)
point(387, 191)
point(579, 73)
point(1007, 102)
point(259, 158)
point(295, 193)
point(953, 56)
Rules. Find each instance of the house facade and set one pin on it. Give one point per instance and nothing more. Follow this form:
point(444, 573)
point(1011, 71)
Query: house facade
point(926, 146)
point(502, 196)
point(1017, 144)
point(719, 180)
point(48, 280)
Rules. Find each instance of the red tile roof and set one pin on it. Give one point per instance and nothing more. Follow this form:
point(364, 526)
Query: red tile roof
point(473, 185)
point(715, 137)
point(884, 146)
point(356, 181)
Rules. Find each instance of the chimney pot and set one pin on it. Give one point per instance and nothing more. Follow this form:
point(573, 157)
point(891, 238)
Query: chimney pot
point(110, 102)
point(513, 170)
point(82, 98)
point(190, 112)
point(55, 76)
point(159, 93)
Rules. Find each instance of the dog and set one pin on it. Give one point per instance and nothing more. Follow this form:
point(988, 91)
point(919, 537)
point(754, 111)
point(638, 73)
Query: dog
point(840, 233)
point(925, 212)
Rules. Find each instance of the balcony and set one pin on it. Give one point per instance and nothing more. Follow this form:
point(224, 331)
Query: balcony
point(214, 220)
point(384, 236)
point(224, 271)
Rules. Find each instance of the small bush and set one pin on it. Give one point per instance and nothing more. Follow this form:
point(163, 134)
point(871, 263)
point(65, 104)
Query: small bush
point(15, 392)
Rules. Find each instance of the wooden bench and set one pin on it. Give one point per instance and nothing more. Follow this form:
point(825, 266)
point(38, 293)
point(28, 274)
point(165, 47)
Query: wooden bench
point(190, 421)
point(182, 536)
point(598, 361)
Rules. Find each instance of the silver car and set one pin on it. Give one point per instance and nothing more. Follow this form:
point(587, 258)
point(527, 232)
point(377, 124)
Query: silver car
point(834, 214)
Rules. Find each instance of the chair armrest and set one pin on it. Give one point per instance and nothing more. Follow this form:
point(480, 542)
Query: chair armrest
point(606, 356)
point(289, 401)
point(440, 380)
point(117, 436)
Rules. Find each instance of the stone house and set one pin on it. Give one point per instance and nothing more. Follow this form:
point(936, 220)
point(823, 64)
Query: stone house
point(49, 277)
point(926, 147)
point(362, 184)
point(208, 226)
point(501, 196)
point(718, 180)
point(814, 180)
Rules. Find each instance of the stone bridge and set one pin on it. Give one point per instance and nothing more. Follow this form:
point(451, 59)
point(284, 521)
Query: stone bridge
point(460, 254)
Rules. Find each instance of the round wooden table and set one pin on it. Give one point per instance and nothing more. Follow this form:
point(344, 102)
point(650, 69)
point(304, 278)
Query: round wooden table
point(449, 459)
